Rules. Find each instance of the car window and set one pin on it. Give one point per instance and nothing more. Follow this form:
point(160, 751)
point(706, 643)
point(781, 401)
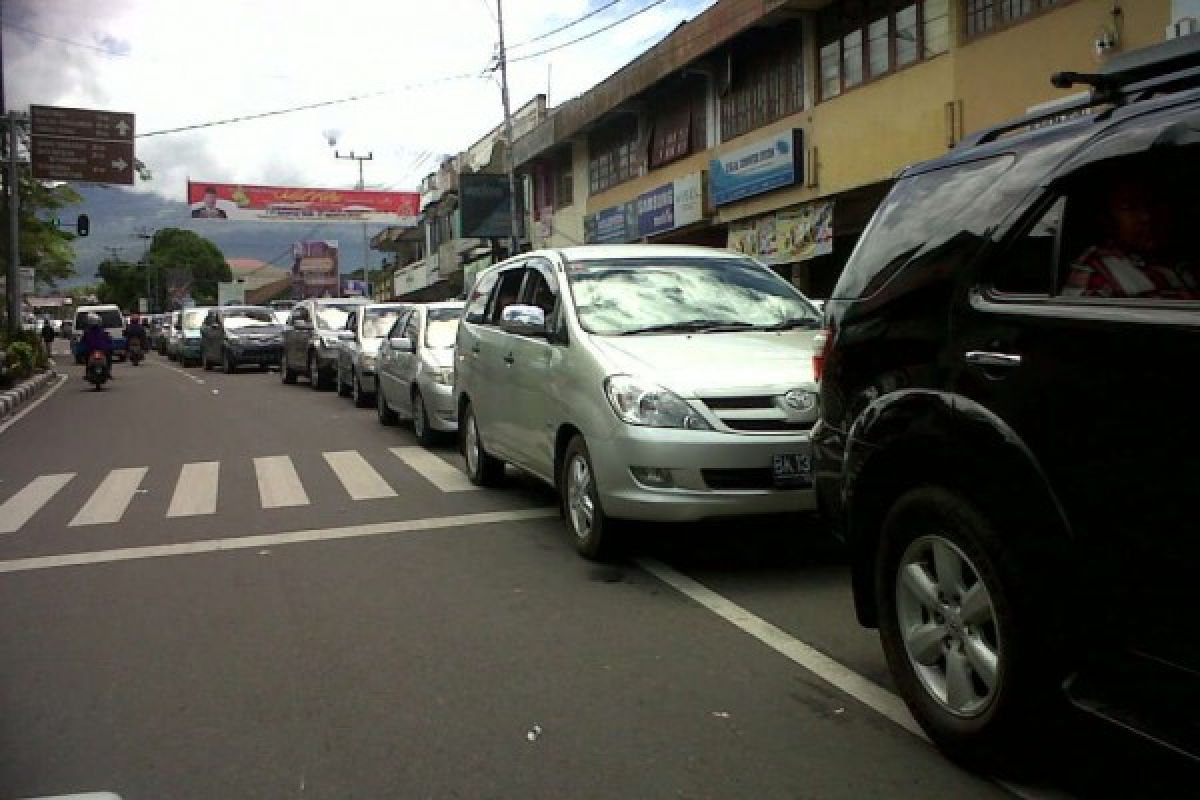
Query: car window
point(333, 317)
point(478, 299)
point(351, 322)
point(540, 292)
point(411, 327)
point(210, 318)
point(248, 318)
point(379, 321)
point(1027, 267)
point(634, 295)
point(441, 327)
point(397, 329)
point(192, 320)
point(299, 314)
point(109, 318)
point(508, 289)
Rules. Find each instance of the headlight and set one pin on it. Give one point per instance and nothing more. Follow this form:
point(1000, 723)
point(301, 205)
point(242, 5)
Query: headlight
point(443, 376)
point(640, 402)
point(368, 362)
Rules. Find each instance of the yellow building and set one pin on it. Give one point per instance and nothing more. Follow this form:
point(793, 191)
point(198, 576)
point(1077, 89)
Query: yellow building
point(794, 115)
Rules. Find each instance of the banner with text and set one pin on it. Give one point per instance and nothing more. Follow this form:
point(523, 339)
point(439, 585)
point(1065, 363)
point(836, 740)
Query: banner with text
point(794, 234)
point(281, 203)
point(761, 167)
point(315, 270)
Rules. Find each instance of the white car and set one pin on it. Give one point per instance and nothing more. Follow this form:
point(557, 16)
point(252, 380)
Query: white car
point(416, 371)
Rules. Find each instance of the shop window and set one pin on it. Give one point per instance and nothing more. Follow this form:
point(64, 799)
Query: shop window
point(615, 154)
point(865, 40)
point(564, 180)
point(767, 69)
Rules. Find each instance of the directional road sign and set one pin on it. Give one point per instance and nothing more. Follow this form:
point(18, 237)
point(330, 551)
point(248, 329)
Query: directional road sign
point(79, 144)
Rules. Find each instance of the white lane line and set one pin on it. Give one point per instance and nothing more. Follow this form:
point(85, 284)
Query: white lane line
point(196, 490)
point(18, 509)
point(274, 539)
point(278, 483)
point(108, 503)
point(841, 677)
point(359, 478)
point(183, 372)
point(45, 395)
point(445, 477)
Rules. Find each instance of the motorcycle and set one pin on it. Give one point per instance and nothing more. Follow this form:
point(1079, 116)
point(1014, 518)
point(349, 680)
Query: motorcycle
point(135, 352)
point(97, 369)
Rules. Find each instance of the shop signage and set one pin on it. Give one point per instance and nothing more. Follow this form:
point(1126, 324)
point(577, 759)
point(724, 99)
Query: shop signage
point(689, 199)
point(615, 225)
point(678, 203)
point(484, 206)
point(788, 236)
point(761, 167)
point(285, 203)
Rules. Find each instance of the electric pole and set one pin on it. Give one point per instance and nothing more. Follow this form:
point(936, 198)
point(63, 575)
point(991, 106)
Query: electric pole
point(13, 288)
point(360, 159)
point(508, 133)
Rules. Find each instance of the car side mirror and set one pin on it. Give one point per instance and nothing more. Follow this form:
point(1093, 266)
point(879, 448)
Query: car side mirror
point(524, 320)
point(401, 344)
point(346, 336)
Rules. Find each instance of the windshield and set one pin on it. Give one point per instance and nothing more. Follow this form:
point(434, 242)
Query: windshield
point(334, 317)
point(441, 326)
point(379, 322)
point(192, 320)
point(633, 296)
point(249, 318)
point(108, 319)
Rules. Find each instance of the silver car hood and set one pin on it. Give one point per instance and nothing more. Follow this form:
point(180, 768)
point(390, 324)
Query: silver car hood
point(722, 363)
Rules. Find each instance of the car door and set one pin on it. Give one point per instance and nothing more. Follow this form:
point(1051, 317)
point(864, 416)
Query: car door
point(209, 332)
point(348, 348)
point(533, 360)
point(296, 337)
point(1092, 385)
point(494, 393)
point(387, 369)
point(406, 363)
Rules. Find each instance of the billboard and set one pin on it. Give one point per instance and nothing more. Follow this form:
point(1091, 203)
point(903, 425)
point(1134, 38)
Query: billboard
point(283, 203)
point(760, 167)
point(788, 236)
point(484, 206)
point(315, 270)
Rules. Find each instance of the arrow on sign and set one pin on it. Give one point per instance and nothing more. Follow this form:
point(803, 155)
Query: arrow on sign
point(120, 164)
point(123, 128)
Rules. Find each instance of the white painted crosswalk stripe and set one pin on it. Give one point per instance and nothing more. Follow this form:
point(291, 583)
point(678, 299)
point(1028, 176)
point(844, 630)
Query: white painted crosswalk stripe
point(433, 469)
point(278, 484)
point(18, 509)
point(196, 491)
point(359, 478)
point(108, 503)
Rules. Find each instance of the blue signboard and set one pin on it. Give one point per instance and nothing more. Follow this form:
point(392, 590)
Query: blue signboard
point(760, 167)
point(656, 210)
point(614, 225)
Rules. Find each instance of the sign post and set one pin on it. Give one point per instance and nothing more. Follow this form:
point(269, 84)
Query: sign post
point(79, 144)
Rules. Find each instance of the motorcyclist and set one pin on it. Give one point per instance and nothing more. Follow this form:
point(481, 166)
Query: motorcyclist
point(96, 338)
point(135, 330)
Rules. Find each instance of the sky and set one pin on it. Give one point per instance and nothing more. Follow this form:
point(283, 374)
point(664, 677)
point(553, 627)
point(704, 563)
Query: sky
point(176, 63)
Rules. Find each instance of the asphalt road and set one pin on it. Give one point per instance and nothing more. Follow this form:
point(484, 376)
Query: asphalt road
point(262, 633)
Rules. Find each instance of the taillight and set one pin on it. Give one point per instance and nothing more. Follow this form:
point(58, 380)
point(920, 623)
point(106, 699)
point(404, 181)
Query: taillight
point(821, 344)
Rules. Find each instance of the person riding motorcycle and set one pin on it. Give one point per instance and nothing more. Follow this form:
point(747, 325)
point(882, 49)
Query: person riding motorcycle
point(96, 338)
point(135, 330)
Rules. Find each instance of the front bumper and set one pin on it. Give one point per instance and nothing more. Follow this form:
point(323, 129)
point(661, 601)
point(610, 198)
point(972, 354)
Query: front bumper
point(256, 354)
point(439, 405)
point(189, 348)
point(713, 474)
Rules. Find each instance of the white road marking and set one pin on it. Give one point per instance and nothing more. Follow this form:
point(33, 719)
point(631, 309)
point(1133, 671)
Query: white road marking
point(196, 490)
point(274, 539)
point(278, 483)
point(183, 372)
point(108, 503)
point(45, 395)
point(361, 480)
point(841, 677)
point(433, 469)
point(18, 509)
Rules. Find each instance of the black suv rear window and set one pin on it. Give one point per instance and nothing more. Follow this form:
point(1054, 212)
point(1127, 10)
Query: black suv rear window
point(921, 212)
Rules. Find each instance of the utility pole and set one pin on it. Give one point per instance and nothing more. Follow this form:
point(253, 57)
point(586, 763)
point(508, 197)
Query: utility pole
point(360, 159)
point(151, 280)
point(14, 249)
point(514, 223)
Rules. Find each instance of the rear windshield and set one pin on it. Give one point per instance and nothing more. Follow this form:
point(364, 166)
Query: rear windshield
point(921, 213)
point(249, 318)
point(109, 318)
point(192, 320)
point(441, 327)
point(379, 321)
point(333, 317)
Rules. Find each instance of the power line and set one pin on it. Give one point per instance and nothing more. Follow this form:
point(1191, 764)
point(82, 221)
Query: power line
point(570, 24)
point(63, 40)
point(586, 36)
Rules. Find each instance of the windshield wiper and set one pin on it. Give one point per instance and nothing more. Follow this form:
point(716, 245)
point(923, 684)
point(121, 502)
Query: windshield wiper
point(810, 323)
point(692, 326)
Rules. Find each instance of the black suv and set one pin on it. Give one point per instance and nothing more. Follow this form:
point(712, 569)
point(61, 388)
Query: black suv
point(1010, 432)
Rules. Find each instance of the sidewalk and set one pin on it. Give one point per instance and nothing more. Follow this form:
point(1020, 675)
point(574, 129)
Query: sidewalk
point(12, 400)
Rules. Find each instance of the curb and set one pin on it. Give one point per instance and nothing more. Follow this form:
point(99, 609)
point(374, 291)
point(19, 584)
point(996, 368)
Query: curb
point(11, 400)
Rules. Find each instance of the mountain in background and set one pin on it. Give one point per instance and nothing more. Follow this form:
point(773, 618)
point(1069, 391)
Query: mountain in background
point(118, 215)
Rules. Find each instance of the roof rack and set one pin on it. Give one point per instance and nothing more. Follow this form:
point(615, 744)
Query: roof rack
point(1139, 70)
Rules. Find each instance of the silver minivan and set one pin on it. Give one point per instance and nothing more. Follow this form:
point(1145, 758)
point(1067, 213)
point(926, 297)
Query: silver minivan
point(646, 382)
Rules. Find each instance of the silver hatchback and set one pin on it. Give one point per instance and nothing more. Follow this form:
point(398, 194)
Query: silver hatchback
point(642, 381)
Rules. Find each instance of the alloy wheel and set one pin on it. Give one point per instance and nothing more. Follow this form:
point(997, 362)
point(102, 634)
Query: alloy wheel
point(948, 624)
point(419, 415)
point(581, 503)
point(472, 441)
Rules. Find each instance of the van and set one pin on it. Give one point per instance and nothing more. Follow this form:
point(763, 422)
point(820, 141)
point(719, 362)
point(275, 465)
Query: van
point(111, 319)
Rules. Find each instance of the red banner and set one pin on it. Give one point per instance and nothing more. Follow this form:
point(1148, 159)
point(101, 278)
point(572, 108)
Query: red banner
point(282, 203)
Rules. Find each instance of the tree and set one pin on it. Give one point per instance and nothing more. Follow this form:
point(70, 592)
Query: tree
point(176, 248)
point(43, 246)
point(122, 282)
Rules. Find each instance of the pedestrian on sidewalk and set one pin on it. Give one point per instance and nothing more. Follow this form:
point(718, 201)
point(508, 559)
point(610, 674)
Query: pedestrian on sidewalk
point(48, 337)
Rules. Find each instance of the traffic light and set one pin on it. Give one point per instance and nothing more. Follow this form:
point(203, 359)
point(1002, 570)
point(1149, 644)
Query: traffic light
point(82, 225)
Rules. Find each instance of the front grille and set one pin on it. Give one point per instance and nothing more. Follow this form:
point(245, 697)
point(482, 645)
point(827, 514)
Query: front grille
point(759, 414)
point(750, 478)
point(757, 425)
point(736, 403)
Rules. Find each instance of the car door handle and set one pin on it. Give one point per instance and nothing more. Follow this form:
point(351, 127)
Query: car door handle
point(508, 359)
point(983, 358)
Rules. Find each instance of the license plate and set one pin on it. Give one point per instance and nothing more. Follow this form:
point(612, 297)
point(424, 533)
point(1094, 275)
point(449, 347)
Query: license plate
point(791, 470)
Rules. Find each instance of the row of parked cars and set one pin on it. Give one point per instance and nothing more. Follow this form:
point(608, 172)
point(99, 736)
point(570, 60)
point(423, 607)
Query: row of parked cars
point(989, 409)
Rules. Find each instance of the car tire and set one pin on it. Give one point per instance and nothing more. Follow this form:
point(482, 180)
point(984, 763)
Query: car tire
point(426, 436)
point(286, 373)
point(318, 380)
point(361, 398)
point(483, 469)
point(204, 361)
point(343, 389)
point(386, 415)
point(593, 532)
point(957, 630)
point(227, 363)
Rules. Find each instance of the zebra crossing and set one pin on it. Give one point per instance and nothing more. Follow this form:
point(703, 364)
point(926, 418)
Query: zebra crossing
point(196, 490)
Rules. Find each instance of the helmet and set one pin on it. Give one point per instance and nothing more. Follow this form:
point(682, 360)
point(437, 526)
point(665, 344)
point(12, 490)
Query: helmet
point(93, 318)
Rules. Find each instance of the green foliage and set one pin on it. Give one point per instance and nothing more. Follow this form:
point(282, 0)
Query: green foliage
point(20, 357)
point(123, 282)
point(43, 246)
point(24, 340)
